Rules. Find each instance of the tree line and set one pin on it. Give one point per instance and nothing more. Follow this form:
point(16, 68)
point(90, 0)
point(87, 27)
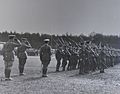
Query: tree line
point(36, 39)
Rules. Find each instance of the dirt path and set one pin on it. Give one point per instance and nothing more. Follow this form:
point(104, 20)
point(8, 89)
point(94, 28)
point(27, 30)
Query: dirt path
point(68, 82)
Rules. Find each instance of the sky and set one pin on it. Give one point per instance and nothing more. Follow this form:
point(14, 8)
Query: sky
point(60, 16)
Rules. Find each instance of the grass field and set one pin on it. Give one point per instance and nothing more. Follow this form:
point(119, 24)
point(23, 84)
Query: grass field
point(68, 82)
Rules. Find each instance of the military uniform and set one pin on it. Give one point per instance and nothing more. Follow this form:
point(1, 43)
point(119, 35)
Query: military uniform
point(21, 54)
point(66, 56)
point(45, 57)
point(102, 59)
point(8, 55)
point(82, 58)
point(58, 56)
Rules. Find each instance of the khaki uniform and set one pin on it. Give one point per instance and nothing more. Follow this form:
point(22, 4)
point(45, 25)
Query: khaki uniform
point(22, 56)
point(8, 56)
point(45, 57)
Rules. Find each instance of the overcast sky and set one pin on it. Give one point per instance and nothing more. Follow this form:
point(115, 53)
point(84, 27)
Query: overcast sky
point(60, 16)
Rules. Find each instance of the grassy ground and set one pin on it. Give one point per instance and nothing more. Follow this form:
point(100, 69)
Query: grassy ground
point(68, 82)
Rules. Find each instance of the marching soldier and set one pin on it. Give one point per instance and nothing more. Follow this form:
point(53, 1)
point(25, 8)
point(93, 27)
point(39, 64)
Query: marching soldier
point(102, 60)
point(82, 57)
point(45, 57)
point(66, 56)
point(22, 55)
point(58, 56)
point(8, 55)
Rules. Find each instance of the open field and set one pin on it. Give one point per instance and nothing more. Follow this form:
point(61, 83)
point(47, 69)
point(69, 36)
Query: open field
point(68, 82)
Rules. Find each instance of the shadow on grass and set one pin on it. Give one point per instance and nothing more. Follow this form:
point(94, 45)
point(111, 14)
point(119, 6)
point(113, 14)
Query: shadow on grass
point(33, 78)
point(85, 74)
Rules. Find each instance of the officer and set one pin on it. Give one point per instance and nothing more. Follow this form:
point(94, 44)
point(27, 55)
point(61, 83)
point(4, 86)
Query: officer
point(21, 54)
point(45, 56)
point(8, 55)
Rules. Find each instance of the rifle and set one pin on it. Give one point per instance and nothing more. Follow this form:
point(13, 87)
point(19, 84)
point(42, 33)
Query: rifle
point(66, 46)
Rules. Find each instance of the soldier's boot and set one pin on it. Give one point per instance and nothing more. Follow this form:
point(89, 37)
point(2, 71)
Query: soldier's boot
point(81, 71)
point(44, 73)
point(63, 69)
point(102, 71)
point(7, 75)
point(21, 70)
point(57, 68)
point(68, 68)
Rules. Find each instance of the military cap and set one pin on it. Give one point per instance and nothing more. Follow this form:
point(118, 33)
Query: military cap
point(46, 40)
point(11, 36)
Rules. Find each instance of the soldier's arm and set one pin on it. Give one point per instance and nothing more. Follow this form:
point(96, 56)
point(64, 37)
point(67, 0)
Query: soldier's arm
point(27, 46)
point(16, 43)
point(3, 50)
point(17, 52)
point(50, 51)
point(40, 53)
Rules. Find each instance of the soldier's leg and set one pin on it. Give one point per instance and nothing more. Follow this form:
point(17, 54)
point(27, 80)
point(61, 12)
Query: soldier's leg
point(102, 68)
point(69, 67)
point(44, 69)
point(22, 62)
point(8, 66)
point(74, 64)
point(86, 66)
point(81, 66)
point(58, 65)
point(64, 64)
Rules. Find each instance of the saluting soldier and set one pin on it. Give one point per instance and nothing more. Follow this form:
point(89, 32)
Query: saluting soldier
point(45, 57)
point(22, 55)
point(8, 55)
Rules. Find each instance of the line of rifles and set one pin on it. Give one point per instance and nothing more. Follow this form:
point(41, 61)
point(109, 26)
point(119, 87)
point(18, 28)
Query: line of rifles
point(87, 57)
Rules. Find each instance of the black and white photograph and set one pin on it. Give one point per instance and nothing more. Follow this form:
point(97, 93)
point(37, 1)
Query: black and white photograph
point(59, 46)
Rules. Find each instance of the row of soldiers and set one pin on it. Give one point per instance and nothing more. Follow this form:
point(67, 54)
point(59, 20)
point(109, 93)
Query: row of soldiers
point(87, 57)
point(8, 55)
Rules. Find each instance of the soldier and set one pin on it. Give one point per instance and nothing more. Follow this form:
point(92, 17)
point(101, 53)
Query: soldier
point(82, 57)
point(71, 60)
point(58, 56)
point(87, 57)
point(8, 55)
point(45, 56)
point(102, 59)
point(66, 56)
point(21, 54)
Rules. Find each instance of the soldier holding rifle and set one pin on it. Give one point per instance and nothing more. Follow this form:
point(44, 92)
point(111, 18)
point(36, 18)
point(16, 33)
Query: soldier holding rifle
point(58, 56)
point(8, 55)
point(102, 59)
